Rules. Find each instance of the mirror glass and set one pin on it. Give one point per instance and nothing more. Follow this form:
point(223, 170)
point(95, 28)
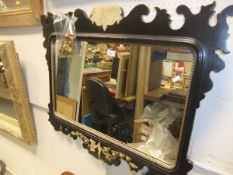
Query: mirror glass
point(6, 104)
point(6, 5)
point(135, 93)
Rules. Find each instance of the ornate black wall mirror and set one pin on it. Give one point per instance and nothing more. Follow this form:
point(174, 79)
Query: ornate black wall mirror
point(129, 89)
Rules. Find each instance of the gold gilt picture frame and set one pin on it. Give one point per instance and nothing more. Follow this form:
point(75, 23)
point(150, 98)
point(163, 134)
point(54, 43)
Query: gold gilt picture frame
point(13, 91)
point(20, 12)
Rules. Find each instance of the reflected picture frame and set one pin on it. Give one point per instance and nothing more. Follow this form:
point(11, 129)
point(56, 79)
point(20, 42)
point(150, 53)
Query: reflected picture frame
point(202, 37)
point(22, 126)
point(25, 16)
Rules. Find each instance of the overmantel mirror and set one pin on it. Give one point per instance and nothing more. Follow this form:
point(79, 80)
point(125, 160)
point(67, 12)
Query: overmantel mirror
point(129, 89)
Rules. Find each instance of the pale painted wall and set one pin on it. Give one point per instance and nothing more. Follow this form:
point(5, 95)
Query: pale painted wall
point(212, 139)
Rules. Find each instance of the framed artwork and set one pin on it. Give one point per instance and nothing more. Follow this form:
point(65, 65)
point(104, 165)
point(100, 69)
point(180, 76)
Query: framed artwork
point(67, 107)
point(20, 12)
point(15, 114)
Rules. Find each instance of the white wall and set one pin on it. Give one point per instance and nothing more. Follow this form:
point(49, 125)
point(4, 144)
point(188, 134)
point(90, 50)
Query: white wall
point(212, 139)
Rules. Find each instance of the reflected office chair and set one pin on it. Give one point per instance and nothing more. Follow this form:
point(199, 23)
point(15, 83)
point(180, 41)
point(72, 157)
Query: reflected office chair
point(109, 117)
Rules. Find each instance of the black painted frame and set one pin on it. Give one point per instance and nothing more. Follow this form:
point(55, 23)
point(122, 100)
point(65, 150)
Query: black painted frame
point(195, 32)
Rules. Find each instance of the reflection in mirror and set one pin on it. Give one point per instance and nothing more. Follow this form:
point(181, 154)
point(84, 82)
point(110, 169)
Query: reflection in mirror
point(6, 5)
point(6, 105)
point(135, 93)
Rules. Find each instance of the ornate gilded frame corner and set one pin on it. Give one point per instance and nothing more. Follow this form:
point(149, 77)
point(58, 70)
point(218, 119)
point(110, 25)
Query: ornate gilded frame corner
point(196, 32)
point(29, 16)
point(23, 126)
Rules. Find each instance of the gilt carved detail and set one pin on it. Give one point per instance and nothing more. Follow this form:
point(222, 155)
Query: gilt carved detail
point(108, 153)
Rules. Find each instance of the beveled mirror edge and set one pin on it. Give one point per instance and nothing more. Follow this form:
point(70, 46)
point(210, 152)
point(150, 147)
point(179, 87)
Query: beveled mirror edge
point(18, 93)
point(205, 84)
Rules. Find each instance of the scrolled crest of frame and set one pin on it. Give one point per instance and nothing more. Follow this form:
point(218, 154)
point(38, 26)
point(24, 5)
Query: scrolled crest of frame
point(106, 15)
point(196, 30)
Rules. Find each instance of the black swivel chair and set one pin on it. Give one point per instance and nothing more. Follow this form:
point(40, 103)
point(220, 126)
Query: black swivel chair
point(109, 117)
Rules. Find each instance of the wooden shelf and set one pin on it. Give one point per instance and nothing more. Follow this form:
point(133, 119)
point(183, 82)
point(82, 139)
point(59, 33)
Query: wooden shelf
point(128, 98)
point(157, 94)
